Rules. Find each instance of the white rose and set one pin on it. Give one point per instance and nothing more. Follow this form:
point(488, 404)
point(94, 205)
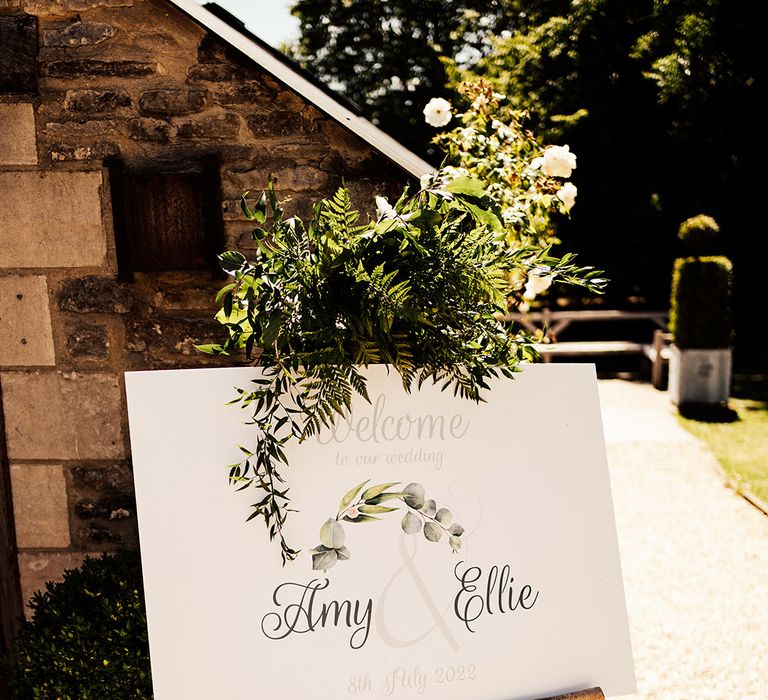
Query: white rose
point(567, 194)
point(384, 209)
point(558, 161)
point(437, 112)
point(539, 280)
point(426, 180)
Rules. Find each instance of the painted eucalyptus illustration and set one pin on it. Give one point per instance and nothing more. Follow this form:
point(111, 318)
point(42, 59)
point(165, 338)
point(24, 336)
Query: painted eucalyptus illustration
point(364, 506)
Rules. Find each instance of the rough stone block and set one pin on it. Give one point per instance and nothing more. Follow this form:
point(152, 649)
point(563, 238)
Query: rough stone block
point(18, 145)
point(40, 506)
point(103, 507)
point(276, 124)
point(211, 72)
point(89, 342)
point(99, 295)
point(55, 7)
point(96, 101)
point(87, 130)
point(78, 34)
point(170, 341)
point(36, 569)
point(63, 152)
point(52, 415)
point(171, 103)
point(25, 322)
point(51, 219)
point(220, 128)
point(70, 152)
point(80, 68)
point(248, 93)
point(152, 130)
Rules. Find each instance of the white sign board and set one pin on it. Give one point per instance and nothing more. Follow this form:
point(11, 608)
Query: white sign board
point(531, 603)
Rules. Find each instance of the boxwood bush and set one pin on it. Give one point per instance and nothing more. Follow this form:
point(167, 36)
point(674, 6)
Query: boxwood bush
point(700, 314)
point(700, 234)
point(88, 637)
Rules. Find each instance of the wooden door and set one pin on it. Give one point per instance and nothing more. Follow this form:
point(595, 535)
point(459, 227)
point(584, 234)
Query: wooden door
point(11, 609)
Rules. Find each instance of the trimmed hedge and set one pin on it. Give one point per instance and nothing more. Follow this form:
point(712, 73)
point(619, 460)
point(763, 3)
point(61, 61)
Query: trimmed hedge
point(87, 639)
point(700, 309)
point(700, 234)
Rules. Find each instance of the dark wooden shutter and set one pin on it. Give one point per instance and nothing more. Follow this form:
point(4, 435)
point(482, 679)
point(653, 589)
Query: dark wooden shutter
point(166, 221)
point(18, 54)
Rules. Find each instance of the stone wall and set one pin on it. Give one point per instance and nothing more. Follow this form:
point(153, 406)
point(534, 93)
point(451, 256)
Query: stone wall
point(133, 79)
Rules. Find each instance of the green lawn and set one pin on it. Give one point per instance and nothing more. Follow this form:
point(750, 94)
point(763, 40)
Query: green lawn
point(740, 445)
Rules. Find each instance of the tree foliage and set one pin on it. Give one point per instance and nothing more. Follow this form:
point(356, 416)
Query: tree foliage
point(386, 54)
point(659, 99)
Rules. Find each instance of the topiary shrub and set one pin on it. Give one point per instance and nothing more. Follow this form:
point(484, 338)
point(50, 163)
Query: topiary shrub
point(700, 314)
point(88, 637)
point(699, 234)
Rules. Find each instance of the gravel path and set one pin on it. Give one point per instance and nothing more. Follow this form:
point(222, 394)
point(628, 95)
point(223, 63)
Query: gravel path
point(694, 557)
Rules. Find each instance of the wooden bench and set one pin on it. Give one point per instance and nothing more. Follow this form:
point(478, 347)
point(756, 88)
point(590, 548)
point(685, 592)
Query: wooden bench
point(552, 323)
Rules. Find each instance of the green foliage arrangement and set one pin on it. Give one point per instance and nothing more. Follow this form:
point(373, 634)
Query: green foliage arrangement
point(88, 637)
point(700, 313)
point(422, 287)
point(699, 234)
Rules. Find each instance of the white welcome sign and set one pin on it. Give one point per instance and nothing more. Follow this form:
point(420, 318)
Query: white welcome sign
point(495, 577)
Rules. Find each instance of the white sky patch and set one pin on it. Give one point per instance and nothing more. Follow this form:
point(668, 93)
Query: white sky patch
point(270, 20)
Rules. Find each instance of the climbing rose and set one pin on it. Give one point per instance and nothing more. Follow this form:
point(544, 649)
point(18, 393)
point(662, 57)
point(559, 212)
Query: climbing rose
point(539, 280)
point(437, 112)
point(567, 194)
point(558, 161)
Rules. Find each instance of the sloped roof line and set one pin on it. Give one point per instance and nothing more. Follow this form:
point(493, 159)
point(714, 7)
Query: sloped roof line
point(359, 125)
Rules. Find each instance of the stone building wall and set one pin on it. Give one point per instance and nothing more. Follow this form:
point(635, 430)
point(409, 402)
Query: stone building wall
point(138, 80)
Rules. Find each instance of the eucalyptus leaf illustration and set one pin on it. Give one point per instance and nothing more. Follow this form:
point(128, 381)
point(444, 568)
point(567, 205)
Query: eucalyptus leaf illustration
point(375, 510)
point(376, 490)
point(411, 523)
point(350, 495)
point(360, 518)
point(332, 534)
point(364, 506)
point(432, 531)
point(414, 495)
point(324, 558)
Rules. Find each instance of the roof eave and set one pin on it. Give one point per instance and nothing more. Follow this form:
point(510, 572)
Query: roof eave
point(382, 142)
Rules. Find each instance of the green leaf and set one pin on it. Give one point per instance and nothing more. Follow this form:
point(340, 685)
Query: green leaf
point(468, 186)
point(432, 531)
point(374, 510)
point(350, 495)
point(231, 260)
point(244, 207)
point(383, 497)
point(411, 523)
point(211, 349)
point(260, 212)
point(360, 519)
point(483, 216)
point(376, 490)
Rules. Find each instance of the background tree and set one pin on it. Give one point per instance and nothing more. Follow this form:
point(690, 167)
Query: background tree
point(665, 93)
point(386, 55)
